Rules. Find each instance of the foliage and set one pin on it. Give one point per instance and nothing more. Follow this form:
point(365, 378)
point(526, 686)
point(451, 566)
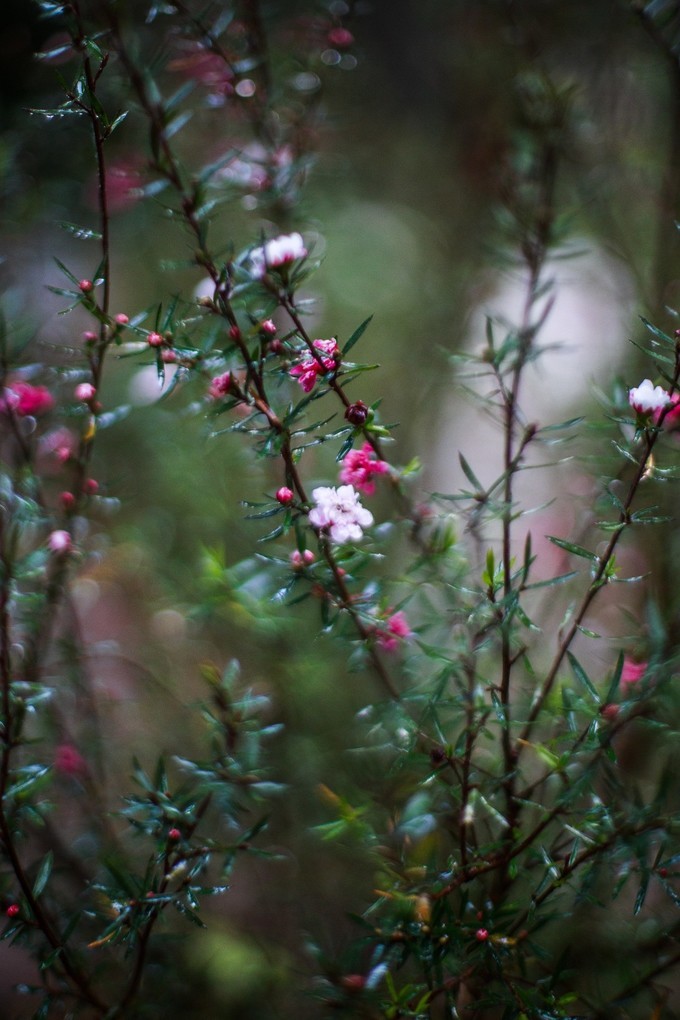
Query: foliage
point(498, 814)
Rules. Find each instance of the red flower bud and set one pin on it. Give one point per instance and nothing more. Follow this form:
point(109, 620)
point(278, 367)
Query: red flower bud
point(481, 934)
point(285, 495)
point(13, 910)
point(86, 286)
point(357, 413)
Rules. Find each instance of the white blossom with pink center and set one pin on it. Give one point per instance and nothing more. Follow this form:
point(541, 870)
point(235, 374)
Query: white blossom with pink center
point(280, 251)
point(340, 513)
point(647, 398)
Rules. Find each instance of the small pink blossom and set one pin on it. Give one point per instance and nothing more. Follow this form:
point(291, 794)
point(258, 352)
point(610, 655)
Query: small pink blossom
point(69, 761)
point(359, 466)
point(278, 252)
point(168, 356)
point(25, 399)
point(397, 630)
point(60, 542)
point(307, 371)
point(647, 399)
point(220, 386)
point(340, 513)
point(90, 486)
point(632, 671)
point(268, 327)
point(154, 340)
point(86, 286)
point(85, 391)
point(121, 319)
point(67, 501)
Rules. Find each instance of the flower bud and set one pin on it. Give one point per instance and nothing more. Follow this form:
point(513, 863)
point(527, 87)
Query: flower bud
point(285, 495)
point(481, 934)
point(268, 327)
point(154, 340)
point(121, 319)
point(13, 910)
point(67, 500)
point(174, 835)
point(90, 486)
point(357, 413)
point(86, 286)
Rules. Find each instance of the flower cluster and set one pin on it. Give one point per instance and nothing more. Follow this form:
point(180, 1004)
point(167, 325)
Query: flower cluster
point(278, 252)
point(359, 467)
point(339, 513)
point(307, 371)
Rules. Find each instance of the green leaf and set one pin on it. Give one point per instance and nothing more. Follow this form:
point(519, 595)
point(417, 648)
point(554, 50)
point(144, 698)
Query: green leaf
point(658, 333)
point(582, 677)
point(356, 335)
point(571, 547)
point(43, 875)
point(82, 233)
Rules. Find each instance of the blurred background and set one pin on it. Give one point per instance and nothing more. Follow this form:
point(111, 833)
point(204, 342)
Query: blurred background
point(414, 134)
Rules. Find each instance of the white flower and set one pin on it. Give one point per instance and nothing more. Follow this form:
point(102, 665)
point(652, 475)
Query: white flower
point(645, 398)
point(340, 513)
point(277, 252)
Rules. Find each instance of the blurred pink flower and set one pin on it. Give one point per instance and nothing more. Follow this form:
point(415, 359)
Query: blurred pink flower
point(25, 399)
point(397, 630)
point(632, 671)
point(60, 542)
point(208, 69)
point(359, 466)
point(69, 761)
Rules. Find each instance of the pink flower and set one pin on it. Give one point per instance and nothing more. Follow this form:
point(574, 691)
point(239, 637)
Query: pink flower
point(359, 466)
point(397, 630)
point(280, 251)
point(24, 399)
point(154, 339)
point(340, 513)
point(220, 386)
point(307, 371)
point(60, 542)
point(85, 391)
point(647, 399)
point(632, 671)
point(69, 761)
